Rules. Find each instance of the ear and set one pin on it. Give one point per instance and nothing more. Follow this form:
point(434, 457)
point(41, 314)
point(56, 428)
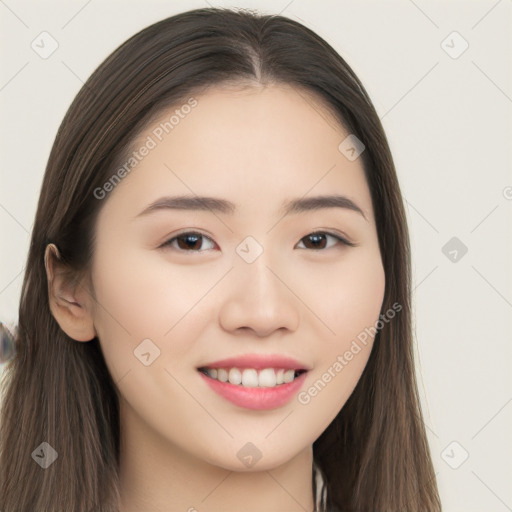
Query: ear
point(70, 302)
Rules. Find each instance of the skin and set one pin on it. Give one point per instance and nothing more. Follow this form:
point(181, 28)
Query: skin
point(179, 439)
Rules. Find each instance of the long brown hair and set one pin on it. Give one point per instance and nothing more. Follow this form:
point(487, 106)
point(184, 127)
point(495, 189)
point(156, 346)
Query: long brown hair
point(374, 456)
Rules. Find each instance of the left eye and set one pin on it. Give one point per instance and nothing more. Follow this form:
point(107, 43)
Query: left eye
point(192, 242)
point(319, 237)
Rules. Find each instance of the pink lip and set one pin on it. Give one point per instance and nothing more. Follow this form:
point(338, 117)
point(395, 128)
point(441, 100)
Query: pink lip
point(256, 398)
point(258, 362)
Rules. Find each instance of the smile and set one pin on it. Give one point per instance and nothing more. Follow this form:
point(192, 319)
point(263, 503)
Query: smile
point(251, 377)
point(268, 394)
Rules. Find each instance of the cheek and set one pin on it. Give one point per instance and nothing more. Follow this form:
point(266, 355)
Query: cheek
point(141, 296)
point(145, 293)
point(347, 295)
point(349, 304)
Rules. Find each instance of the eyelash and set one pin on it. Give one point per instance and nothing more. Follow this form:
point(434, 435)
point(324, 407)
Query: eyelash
point(340, 239)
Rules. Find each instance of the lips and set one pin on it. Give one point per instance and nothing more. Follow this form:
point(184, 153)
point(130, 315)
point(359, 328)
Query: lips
point(254, 370)
point(258, 362)
point(255, 381)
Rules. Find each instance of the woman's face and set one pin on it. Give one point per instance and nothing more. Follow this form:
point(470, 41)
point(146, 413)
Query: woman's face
point(239, 276)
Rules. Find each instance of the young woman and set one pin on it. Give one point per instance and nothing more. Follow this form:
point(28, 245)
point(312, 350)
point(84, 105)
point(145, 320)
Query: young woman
point(215, 313)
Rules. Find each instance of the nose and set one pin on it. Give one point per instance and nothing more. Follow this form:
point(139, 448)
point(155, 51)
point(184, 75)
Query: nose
point(259, 298)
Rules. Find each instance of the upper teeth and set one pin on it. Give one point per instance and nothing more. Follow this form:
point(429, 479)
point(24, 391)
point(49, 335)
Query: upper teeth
point(267, 378)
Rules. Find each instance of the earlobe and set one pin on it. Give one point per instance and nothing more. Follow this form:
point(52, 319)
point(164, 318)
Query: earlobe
point(70, 303)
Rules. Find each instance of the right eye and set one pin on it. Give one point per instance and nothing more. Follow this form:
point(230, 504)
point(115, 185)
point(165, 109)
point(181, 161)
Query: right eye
point(188, 241)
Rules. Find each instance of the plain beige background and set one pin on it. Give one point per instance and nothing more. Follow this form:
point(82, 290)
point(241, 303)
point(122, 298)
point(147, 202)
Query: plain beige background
point(445, 100)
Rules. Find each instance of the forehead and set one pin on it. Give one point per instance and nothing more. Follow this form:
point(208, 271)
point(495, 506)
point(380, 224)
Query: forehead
point(270, 142)
point(247, 111)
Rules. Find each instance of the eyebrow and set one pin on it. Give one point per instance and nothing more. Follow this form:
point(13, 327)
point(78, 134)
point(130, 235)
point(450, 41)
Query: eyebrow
point(215, 204)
